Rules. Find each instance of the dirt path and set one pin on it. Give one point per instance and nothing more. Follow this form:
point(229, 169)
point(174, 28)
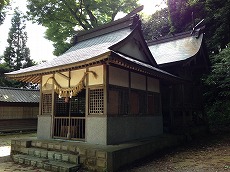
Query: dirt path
point(211, 154)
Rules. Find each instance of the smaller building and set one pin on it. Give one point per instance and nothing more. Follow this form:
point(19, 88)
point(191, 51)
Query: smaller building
point(185, 56)
point(18, 109)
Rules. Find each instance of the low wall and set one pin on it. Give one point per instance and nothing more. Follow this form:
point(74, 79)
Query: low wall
point(123, 129)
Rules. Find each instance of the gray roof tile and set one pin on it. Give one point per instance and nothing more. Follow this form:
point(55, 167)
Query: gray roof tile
point(176, 50)
point(17, 95)
point(82, 51)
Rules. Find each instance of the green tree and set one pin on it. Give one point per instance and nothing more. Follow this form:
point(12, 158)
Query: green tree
point(157, 25)
point(218, 88)
point(62, 17)
point(183, 14)
point(3, 5)
point(218, 24)
point(17, 54)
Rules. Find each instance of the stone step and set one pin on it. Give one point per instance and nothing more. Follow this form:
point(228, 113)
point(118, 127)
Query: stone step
point(51, 155)
point(55, 145)
point(47, 164)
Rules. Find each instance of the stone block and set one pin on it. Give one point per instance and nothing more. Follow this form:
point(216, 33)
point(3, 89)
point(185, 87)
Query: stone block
point(72, 148)
point(82, 152)
point(33, 163)
point(51, 155)
point(18, 142)
point(63, 169)
point(101, 163)
point(38, 144)
point(57, 156)
point(21, 160)
point(44, 154)
point(64, 147)
point(91, 161)
point(16, 159)
point(91, 153)
point(65, 157)
point(47, 166)
point(13, 147)
point(33, 144)
point(74, 159)
point(55, 168)
point(82, 160)
point(31, 152)
point(37, 153)
point(44, 145)
point(27, 162)
point(57, 146)
point(24, 151)
point(17, 148)
point(101, 154)
point(26, 143)
point(40, 164)
point(50, 146)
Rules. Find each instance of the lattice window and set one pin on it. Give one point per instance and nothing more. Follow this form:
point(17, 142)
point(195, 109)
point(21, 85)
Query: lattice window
point(46, 104)
point(96, 101)
point(61, 107)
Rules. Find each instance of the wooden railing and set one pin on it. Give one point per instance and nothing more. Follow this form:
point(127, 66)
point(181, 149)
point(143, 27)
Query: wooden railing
point(75, 126)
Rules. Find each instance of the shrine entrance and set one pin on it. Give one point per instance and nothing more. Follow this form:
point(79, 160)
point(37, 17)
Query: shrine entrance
point(69, 118)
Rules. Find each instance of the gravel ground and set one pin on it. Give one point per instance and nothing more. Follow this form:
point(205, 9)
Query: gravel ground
point(210, 154)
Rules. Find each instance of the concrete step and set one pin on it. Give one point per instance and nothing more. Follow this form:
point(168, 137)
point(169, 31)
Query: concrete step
point(55, 145)
point(51, 155)
point(47, 164)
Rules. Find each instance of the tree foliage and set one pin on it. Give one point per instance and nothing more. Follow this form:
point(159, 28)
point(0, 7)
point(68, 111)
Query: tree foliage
point(183, 14)
point(62, 17)
point(157, 25)
point(3, 5)
point(218, 88)
point(16, 54)
point(218, 24)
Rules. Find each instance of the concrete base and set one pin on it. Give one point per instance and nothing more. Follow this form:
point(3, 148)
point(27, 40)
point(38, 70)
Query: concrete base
point(96, 157)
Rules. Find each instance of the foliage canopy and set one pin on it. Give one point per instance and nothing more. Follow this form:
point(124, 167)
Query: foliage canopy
point(62, 17)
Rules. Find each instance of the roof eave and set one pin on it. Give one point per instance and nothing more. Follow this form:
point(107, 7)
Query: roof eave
point(27, 76)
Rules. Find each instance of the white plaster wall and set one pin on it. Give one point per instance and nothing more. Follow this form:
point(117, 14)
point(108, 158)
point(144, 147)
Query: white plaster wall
point(61, 80)
point(123, 129)
point(118, 77)
point(138, 81)
point(76, 76)
point(96, 130)
point(44, 127)
point(153, 85)
point(48, 84)
point(99, 79)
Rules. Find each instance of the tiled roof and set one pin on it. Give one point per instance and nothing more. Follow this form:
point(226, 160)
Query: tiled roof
point(158, 72)
point(17, 95)
point(82, 51)
point(174, 50)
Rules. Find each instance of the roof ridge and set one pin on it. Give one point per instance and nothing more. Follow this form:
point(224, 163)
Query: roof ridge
point(169, 38)
point(125, 22)
point(22, 89)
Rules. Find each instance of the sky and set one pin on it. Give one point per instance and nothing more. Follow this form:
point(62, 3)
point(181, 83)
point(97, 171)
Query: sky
point(40, 48)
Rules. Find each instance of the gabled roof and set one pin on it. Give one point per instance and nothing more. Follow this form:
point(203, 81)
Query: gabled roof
point(176, 48)
point(17, 95)
point(123, 36)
